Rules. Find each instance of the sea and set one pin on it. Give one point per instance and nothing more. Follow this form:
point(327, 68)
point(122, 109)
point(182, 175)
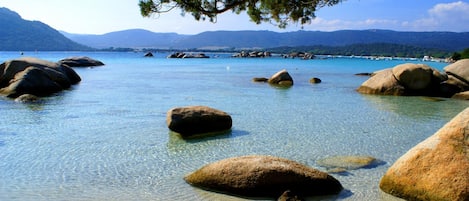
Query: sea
point(106, 138)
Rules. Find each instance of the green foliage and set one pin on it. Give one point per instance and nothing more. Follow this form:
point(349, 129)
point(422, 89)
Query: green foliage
point(373, 49)
point(461, 55)
point(281, 12)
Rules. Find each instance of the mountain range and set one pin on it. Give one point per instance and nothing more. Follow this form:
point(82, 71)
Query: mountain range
point(139, 38)
point(17, 34)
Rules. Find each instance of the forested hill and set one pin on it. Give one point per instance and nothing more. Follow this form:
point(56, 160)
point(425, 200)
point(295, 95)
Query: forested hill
point(17, 34)
point(448, 41)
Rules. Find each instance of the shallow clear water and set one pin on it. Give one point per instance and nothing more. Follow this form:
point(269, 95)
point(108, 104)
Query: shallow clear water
point(106, 138)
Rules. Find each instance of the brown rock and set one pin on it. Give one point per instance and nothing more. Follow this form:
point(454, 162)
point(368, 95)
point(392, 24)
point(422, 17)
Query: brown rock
point(458, 74)
point(281, 78)
point(193, 120)
point(413, 76)
point(34, 76)
point(461, 95)
point(315, 80)
point(435, 169)
point(263, 176)
point(382, 82)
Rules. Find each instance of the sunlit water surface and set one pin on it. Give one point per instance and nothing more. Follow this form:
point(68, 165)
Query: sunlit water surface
point(106, 138)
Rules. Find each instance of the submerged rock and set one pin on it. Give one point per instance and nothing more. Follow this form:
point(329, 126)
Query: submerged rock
point(346, 162)
point(435, 169)
point(193, 120)
point(263, 176)
point(27, 98)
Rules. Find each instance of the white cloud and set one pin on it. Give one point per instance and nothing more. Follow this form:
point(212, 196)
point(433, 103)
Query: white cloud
point(444, 17)
point(441, 17)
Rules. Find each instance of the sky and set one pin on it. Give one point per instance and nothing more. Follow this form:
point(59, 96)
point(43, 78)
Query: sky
point(104, 16)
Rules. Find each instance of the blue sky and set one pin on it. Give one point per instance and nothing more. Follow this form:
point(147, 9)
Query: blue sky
point(103, 16)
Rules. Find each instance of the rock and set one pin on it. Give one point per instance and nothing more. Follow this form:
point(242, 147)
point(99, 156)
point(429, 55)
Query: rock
point(182, 55)
point(363, 74)
point(435, 169)
point(260, 79)
point(406, 79)
point(281, 78)
point(461, 95)
point(346, 162)
point(80, 62)
point(263, 176)
point(315, 80)
point(35, 76)
point(413, 76)
point(458, 74)
point(148, 54)
point(382, 82)
point(193, 120)
point(289, 196)
point(27, 98)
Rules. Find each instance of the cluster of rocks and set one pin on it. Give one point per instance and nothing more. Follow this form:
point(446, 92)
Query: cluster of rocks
point(435, 169)
point(28, 78)
point(420, 79)
point(182, 55)
point(302, 55)
point(253, 54)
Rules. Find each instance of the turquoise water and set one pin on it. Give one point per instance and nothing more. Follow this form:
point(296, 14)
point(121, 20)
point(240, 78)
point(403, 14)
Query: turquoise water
point(106, 138)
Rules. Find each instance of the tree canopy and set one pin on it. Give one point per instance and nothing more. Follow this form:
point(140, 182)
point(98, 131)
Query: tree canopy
point(279, 12)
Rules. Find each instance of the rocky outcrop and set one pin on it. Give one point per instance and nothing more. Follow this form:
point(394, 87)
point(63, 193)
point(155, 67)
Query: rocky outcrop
point(182, 55)
point(405, 79)
point(419, 79)
point(194, 120)
point(281, 78)
point(80, 62)
point(435, 169)
point(35, 76)
point(263, 176)
point(253, 54)
point(458, 74)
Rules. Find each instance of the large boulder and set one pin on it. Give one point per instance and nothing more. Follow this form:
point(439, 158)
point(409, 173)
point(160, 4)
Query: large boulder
point(281, 78)
point(80, 61)
point(405, 79)
point(193, 120)
point(413, 76)
point(435, 169)
point(263, 176)
point(35, 76)
point(458, 74)
point(382, 82)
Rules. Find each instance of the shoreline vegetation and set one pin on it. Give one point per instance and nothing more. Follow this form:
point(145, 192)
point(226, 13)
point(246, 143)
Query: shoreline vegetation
point(376, 51)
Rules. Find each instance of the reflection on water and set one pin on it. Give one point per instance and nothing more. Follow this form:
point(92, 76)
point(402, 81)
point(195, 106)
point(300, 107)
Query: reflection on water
point(417, 107)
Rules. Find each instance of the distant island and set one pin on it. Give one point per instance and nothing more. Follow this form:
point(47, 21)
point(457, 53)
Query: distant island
point(18, 34)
